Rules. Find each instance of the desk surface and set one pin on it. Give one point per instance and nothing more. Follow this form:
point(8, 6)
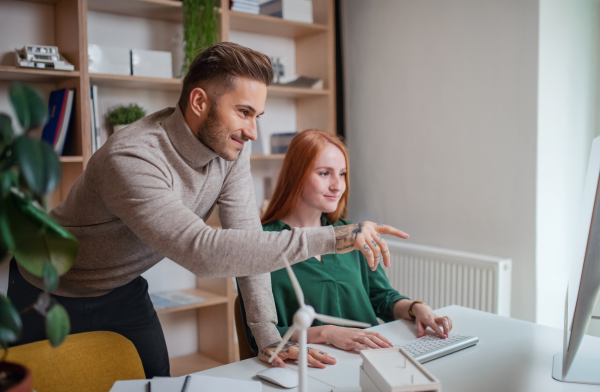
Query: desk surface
point(511, 355)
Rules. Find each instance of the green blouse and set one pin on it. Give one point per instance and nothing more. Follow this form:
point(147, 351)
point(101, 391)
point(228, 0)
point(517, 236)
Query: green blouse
point(341, 286)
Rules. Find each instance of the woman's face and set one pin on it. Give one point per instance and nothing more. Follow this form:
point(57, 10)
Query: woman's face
point(327, 181)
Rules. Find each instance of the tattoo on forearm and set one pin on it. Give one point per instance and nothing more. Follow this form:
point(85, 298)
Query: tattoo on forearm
point(344, 248)
point(357, 231)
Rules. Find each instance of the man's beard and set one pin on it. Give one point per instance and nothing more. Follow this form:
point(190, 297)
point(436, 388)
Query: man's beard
point(215, 136)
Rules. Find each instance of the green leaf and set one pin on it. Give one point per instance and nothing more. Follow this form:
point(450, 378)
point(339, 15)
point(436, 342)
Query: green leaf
point(30, 107)
point(39, 164)
point(34, 238)
point(10, 322)
point(6, 131)
point(8, 179)
point(50, 277)
point(57, 325)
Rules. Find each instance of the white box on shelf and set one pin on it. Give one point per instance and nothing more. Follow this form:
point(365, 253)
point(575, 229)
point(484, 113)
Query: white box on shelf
point(151, 63)
point(297, 10)
point(109, 60)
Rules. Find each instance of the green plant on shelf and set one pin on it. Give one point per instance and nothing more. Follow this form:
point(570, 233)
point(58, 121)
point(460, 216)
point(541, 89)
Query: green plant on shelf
point(30, 169)
point(200, 29)
point(125, 115)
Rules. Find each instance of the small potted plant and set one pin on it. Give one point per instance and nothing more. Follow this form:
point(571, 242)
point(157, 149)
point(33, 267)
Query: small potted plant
point(122, 116)
point(29, 169)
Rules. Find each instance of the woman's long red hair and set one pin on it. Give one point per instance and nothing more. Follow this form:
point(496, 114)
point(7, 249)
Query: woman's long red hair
point(297, 166)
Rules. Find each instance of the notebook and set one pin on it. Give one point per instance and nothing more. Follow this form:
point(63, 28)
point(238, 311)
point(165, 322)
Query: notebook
point(197, 383)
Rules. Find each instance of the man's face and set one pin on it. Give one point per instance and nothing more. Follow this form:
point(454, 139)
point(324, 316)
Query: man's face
point(233, 121)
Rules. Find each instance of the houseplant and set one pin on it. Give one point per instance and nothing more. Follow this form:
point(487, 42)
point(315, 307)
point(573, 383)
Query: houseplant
point(121, 116)
point(200, 28)
point(29, 169)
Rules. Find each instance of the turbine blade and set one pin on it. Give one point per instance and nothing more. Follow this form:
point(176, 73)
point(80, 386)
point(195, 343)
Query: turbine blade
point(340, 321)
point(295, 283)
point(286, 337)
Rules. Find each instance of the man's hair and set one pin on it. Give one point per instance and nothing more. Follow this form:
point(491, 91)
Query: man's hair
point(216, 68)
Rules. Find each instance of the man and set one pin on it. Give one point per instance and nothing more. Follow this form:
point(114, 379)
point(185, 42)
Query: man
point(145, 194)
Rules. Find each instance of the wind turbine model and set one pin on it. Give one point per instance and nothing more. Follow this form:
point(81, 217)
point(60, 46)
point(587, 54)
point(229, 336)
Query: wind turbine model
point(303, 319)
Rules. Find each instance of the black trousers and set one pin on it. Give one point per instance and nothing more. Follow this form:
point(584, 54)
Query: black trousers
point(126, 310)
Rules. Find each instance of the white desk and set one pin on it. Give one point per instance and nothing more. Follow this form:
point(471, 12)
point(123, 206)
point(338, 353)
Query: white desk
point(511, 355)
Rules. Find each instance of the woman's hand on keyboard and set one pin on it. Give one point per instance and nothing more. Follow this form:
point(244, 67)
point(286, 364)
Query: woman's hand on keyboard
point(352, 338)
point(424, 317)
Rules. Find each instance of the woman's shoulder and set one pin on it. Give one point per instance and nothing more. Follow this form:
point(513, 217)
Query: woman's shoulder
point(342, 222)
point(273, 226)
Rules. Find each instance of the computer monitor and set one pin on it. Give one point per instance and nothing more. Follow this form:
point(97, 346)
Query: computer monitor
point(584, 284)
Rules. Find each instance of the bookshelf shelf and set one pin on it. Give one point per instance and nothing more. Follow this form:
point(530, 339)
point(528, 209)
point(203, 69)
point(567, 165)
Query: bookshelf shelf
point(71, 159)
point(268, 25)
point(186, 364)
point(295, 92)
point(267, 157)
point(35, 75)
point(211, 300)
point(169, 10)
point(138, 82)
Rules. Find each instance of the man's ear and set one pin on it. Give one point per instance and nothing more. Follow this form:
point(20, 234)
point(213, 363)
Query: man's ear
point(199, 104)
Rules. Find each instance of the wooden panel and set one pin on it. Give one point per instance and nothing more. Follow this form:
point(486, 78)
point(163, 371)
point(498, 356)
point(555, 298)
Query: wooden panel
point(8, 72)
point(70, 172)
point(211, 300)
point(186, 364)
point(314, 113)
point(67, 29)
point(219, 286)
point(215, 332)
point(138, 82)
point(153, 9)
point(71, 159)
point(262, 24)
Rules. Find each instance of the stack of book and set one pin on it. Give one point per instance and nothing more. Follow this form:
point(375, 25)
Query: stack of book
point(296, 10)
point(60, 107)
point(247, 6)
point(281, 141)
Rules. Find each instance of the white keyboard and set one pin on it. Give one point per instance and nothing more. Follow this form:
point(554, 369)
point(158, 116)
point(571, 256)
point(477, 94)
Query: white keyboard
point(430, 347)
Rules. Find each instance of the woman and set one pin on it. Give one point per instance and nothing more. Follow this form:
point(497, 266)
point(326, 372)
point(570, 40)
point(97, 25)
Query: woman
point(312, 191)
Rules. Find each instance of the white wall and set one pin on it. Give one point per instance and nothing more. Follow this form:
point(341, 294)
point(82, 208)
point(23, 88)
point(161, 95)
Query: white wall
point(567, 123)
point(441, 125)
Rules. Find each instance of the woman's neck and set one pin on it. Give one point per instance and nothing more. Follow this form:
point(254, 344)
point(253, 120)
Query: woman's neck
point(303, 216)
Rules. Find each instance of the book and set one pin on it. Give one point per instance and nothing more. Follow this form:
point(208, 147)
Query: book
point(92, 121)
point(281, 141)
point(60, 106)
point(66, 121)
point(96, 119)
point(171, 299)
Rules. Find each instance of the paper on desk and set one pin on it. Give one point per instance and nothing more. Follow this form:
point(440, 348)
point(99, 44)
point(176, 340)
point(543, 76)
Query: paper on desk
point(197, 383)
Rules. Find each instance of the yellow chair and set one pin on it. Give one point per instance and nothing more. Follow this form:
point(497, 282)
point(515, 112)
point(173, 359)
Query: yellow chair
point(90, 361)
point(243, 345)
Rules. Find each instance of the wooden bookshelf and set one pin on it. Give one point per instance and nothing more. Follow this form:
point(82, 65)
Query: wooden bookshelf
point(315, 57)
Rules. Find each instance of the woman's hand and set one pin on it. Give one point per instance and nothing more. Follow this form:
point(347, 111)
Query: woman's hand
point(366, 237)
point(354, 338)
point(315, 357)
point(424, 317)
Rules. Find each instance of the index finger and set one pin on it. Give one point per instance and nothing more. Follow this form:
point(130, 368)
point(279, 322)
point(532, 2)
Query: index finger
point(386, 229)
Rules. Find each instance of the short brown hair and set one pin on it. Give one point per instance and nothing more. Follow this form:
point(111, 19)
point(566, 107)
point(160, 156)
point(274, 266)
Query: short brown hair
point(217, 66)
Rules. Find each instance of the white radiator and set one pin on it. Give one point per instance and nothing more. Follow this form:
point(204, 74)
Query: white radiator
point(442, 277)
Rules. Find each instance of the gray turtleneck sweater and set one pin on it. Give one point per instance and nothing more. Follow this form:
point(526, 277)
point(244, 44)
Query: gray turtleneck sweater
point(145, 195)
